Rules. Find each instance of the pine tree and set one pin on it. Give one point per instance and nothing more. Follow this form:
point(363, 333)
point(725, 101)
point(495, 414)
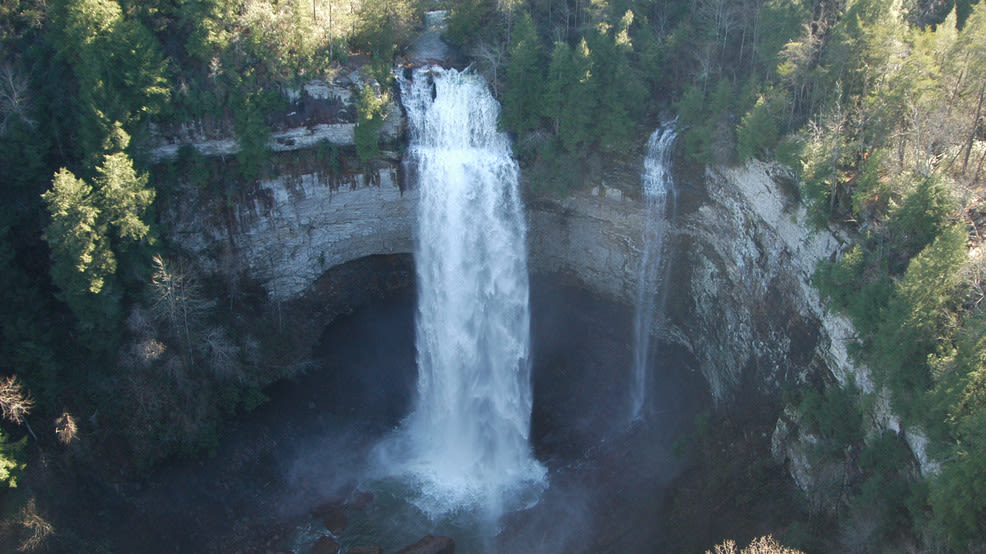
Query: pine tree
point(524, 93)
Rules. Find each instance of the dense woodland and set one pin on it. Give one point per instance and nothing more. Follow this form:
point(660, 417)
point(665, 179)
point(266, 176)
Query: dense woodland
point(116, 352)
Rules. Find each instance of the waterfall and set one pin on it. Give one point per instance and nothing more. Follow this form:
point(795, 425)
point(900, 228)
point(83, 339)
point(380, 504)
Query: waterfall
point(468, 434)
point(659, 196)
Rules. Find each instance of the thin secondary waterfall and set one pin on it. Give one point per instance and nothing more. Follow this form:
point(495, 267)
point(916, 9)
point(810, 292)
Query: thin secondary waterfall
point(659, 195)
point(468, 435)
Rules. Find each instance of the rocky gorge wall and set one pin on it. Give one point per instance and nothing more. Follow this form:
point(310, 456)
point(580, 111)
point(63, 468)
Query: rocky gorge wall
point(296, 227)
point(740, 299)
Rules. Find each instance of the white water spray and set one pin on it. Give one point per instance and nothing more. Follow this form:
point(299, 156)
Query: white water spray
point(467, 439)
point(659, 195)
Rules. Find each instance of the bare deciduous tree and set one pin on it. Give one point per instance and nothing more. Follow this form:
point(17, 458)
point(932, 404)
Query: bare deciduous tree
point(14, 98)
point(66, 429)
point(762, 545)
point(178, 301)
point(491, 57)
point(37, 529)
point(221, 354)
point(15, 402)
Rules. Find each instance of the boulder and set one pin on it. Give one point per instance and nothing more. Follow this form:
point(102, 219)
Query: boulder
point(430, 545)
point(360, 500)
point(324, 545)
point(335, 520)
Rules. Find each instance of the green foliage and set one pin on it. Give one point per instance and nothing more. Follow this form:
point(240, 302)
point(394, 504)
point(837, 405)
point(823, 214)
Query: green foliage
point(922, 216)
point(918, 316)
point(382, 26)
point(124, 197)
point(760, 127)
point(117, 64)
point(577, 107)
point(871, 197)
point(834, 414)
point(857, 282)
point(371, 111)
point(780, 22)
point(524, 90)
point(957, 494)
point(252, 132)
point(701, 115)
point(11, 464)
point(90, 228)
point(621, 90)
point(29, 343)
point(901, 322)
point(81, 254)
point(555, 170)
point(887, 494)
point(289, 38)
point(825, 159)
point(468, 21)
point(869, 160)
point(560, 72)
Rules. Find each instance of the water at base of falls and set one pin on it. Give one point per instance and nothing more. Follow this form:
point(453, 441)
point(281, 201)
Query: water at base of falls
point(659, 196)
point(465, 446)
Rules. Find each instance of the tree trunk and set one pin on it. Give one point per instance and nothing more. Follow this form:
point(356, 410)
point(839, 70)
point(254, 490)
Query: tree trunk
point(975, 125)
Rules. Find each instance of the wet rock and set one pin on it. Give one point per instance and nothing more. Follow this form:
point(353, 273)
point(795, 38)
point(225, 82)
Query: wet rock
point(324, 545)
point(430, 545)
point(360, 501)
point(335, 520)
point(366, 549)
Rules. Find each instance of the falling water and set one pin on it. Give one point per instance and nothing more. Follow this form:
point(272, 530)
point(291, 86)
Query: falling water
point(659, 195)
point(468, 435)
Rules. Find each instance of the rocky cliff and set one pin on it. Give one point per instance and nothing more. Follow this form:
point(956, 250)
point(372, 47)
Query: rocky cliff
point(293, 228)
point(740, 298)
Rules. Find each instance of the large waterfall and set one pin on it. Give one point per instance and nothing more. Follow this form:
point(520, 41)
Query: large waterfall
point(467, 439)
point(659, 195)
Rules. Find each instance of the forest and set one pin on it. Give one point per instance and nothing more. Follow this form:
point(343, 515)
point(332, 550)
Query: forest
point(117, 354)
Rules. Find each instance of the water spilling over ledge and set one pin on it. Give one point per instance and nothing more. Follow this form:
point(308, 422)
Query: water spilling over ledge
point(659, 196)
point(465, 445)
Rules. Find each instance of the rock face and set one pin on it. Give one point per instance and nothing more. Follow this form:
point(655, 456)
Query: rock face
point(740, 299)
point(324, 545)
point(592, 238)
point(430, 545)
point(743, 300)
point(323, 113)
point(295, 227)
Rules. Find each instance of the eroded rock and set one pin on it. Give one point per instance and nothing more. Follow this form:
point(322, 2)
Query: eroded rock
point(430, 544)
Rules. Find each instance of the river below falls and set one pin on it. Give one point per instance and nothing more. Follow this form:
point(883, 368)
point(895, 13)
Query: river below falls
point(281, 468)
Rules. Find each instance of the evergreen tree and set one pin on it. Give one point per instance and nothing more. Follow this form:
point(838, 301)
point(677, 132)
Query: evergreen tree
point(117, 65)
point(371, 111)
point(90, 229)
point(82, 261)
point(524, 92)
point(580, 100)
point(560, 70)
point(620, 88)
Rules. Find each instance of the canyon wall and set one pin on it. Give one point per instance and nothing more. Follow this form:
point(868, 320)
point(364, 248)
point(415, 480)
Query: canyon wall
point(740, 298)
point(293, 228)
